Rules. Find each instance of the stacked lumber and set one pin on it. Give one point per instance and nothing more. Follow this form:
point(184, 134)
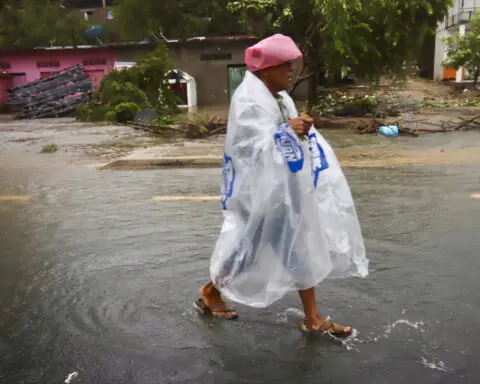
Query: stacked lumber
point(55, 96)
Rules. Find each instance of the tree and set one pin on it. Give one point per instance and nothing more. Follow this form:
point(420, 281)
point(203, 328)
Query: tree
point(174, 18)
point(31, 23)
point(371, 36)
point(464, 51)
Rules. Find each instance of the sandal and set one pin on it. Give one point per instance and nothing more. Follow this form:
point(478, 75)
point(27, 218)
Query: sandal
point(329, 327)
point(217, 311)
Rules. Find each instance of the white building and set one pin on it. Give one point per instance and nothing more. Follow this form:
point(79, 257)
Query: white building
point(458, 20)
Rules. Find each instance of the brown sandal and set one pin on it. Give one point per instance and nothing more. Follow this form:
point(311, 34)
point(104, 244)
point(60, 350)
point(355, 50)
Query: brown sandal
point(329, 327)
point(217, 311)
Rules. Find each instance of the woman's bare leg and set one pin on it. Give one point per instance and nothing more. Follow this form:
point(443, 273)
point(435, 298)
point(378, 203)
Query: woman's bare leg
point(313, 319)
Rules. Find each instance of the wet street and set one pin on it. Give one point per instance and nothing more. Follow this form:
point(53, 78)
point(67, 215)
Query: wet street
point(98, 276)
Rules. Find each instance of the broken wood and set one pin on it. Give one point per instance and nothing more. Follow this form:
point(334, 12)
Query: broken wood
point(408, 132)
point(466, 122)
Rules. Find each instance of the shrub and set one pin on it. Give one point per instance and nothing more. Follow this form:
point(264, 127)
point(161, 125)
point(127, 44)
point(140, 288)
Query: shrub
point(50, 148)
point(123, 112)
point(83, 112)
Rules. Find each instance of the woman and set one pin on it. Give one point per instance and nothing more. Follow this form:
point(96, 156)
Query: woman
point(290, 220)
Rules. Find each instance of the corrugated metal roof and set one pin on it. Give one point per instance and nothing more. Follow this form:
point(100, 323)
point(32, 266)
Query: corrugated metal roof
point(138, 43)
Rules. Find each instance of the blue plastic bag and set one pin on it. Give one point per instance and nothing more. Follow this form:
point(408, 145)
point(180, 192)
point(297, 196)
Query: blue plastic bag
point(389, 131)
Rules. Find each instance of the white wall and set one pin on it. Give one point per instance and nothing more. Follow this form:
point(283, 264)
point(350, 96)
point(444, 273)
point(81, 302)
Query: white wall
point(440, 55)
point(469, 4)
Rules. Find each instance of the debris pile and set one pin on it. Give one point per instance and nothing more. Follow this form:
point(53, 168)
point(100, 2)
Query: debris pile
point(204, 126)
point(55, 96)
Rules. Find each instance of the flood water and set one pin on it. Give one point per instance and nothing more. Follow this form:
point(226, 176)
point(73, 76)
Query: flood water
point(97, 280)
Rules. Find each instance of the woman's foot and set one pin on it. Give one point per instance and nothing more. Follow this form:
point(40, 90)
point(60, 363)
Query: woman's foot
point(211, 301)
point(319, 325)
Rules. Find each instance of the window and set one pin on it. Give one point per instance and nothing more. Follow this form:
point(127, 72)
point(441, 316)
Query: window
point(215, 56)
point(48, 64)
point(96, 61)
point(5, 65)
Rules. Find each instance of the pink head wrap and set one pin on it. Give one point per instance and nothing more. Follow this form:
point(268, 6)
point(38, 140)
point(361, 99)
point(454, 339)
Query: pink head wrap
point(270, 52)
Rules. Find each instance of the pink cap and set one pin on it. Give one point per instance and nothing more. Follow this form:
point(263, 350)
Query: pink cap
point(270, 52)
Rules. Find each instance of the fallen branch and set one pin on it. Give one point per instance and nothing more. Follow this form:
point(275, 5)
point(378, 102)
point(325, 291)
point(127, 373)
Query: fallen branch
point(432, 130)
point(217, 131)
point(408, 132)
point(154, 128)
point(466, 122)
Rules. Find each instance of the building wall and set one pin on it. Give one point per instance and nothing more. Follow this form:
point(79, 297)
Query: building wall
point(5, 83)
point(24, 65)
point(458, 13)
point(439, 54)
point(27, 62)
point(211, 76)
point(207, 60)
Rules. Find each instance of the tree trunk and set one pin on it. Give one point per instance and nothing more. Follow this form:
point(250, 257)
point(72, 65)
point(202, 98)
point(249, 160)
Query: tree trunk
point(299, 81)
point(318, 78)
point(312, 91)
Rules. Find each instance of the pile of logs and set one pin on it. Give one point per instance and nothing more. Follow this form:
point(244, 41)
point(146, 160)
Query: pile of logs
point(55, 96)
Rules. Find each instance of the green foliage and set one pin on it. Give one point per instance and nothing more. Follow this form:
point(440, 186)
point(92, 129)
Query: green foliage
point(371, 37)
point(123, 93)
point(164, 120)
point(50, 148)
point(92, 113)
point(123, 112)
point(174, 18)
point(144, 84)
point(98, 113)
point(112, 93)
point(465, 50)
point(342, 104)
point(31, 23)
point(83, 112)
point(150, 74)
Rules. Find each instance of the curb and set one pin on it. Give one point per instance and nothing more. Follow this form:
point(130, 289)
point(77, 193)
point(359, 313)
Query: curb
point(119, 165)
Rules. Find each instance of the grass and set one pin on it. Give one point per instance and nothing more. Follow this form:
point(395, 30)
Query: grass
point(50, 148)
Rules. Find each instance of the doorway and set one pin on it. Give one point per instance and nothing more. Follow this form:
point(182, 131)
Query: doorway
point(236, 73)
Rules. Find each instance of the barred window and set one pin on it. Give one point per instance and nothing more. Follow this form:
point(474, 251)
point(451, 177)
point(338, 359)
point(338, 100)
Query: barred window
point(48, 64)
point(92, 62)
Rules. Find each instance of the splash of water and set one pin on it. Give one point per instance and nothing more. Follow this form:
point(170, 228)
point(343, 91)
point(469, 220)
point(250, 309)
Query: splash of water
point(283, 317)
point(436, 365)
point(390, 327)
point(349, 343)
point(70, 377)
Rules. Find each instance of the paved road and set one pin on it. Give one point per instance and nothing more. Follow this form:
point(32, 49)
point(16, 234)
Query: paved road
point(97, 277)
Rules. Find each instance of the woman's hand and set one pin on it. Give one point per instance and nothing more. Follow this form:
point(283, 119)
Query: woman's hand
point(301, 125)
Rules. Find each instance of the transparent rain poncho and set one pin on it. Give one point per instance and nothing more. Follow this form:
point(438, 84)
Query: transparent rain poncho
point(290, 220)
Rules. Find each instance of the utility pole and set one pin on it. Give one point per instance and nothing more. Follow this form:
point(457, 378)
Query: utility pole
point(104, 3)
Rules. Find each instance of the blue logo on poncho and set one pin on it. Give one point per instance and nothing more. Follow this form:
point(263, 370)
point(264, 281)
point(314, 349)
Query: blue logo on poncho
point(228, 175)
point(290, 149)
point(317, 155)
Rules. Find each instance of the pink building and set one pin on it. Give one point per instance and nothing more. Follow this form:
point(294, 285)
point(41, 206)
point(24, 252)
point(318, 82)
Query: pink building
point(18, 67)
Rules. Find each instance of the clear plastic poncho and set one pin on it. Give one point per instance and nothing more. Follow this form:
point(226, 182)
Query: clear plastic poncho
point(290, 220)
